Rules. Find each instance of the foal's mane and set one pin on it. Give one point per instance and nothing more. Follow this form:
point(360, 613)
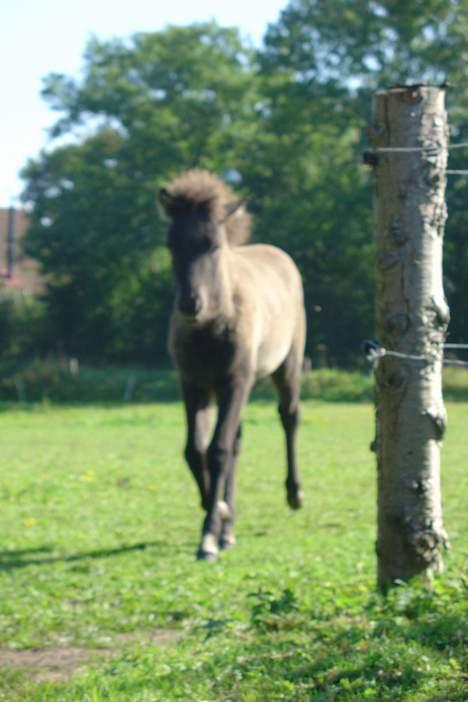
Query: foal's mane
point(199, 189)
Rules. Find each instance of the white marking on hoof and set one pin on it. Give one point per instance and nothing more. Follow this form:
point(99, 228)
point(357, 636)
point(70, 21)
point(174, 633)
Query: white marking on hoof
point(224, 511)
point(208, 550)
point(227, 541)
point(296, 499)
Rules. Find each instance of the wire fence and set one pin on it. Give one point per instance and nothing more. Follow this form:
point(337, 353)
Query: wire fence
point(429, 149)
point(374, 352)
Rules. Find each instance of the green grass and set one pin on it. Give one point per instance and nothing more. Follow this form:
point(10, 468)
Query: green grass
point(99, 523)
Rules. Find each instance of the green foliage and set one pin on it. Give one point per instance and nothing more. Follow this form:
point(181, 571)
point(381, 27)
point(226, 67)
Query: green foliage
point(56, 380)
point(270, 611)
point(328, 59)
point(456, 242)
point(160, 102)
point(376, 44)
point(23, 326)
point(100, 527)
point(59, 380)
point(100, 260)
point(285, 124)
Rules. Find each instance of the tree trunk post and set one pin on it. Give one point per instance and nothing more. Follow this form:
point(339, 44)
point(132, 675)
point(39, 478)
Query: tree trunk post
point(411, 318)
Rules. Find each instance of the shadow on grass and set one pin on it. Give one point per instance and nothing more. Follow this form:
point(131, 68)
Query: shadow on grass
point(337, 660)
point(321, 666)
point(385, 651)
point(12, 560)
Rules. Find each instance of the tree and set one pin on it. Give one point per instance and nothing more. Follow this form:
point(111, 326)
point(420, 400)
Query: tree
point(456, 241)
point(369, 44)
point(92, 230)
point(285, 124)
point(321, 64)
point(157, 103)
point(412, 317)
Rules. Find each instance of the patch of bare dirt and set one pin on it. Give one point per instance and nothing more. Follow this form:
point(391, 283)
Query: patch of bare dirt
point(51, 664)
point(58, 663)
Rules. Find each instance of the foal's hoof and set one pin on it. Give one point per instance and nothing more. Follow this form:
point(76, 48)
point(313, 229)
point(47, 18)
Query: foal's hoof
point(295, 499)
point(208, 549)
point(227, 540)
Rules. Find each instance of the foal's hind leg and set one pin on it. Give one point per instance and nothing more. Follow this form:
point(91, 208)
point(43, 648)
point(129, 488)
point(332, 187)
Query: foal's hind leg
point(288, 380)
point(198, 425)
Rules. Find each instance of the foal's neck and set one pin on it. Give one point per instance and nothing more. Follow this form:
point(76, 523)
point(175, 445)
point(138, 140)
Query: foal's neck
point(226, 307)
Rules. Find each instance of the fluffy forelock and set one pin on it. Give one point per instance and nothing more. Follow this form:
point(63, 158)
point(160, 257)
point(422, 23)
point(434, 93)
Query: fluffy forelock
point(201, 189)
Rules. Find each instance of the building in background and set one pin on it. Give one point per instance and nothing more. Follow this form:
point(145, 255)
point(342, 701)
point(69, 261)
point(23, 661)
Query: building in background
point(16, 270)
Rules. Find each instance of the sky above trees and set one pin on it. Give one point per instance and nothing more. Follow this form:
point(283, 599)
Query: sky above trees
point(37, 38)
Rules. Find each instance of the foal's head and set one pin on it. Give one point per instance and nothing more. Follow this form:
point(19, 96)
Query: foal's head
point(205, 219)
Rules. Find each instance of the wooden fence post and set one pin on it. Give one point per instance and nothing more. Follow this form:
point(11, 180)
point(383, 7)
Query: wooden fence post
point(409, 137)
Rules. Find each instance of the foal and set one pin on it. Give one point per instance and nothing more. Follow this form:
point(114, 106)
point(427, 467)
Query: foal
point(238, 315)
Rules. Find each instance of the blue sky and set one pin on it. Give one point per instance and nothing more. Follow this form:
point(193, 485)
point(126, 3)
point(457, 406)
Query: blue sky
point(38, 37)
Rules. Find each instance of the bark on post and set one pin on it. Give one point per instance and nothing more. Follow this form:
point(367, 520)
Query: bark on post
point(412, 317)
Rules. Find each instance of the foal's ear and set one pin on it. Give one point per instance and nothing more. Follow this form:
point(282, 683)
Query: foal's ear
point(166, 200)
point(233, 208)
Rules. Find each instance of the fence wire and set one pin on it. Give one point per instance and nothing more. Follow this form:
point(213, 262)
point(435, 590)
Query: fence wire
point(428, 149)
point(374, 352)
point(425, 147)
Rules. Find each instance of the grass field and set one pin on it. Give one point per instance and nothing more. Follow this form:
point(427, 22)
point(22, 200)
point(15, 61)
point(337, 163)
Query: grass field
point(101, 597)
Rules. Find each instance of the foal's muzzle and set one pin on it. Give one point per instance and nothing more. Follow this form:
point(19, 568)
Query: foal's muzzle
point(190, 306)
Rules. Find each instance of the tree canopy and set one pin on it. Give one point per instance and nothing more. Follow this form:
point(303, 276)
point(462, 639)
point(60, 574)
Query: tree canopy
point(284, 124)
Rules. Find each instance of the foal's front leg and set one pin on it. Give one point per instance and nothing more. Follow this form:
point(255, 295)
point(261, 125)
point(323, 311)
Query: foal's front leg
point(197, 409)
point(227, 538)
point(232, 396)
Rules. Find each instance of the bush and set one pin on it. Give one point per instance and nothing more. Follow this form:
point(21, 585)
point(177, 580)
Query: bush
point(23, 323)
point(65, 380)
